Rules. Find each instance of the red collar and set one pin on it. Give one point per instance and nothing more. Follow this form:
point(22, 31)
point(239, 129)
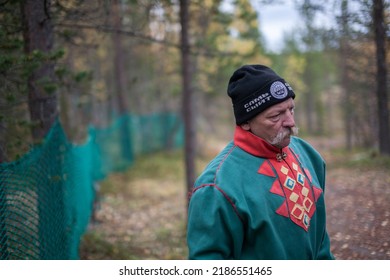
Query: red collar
point(253, 144)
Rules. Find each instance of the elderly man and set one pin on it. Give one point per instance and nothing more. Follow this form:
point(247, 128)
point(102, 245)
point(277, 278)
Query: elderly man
point(262, 197)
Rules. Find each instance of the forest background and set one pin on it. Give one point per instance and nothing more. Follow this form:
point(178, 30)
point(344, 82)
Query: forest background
point(87, 62)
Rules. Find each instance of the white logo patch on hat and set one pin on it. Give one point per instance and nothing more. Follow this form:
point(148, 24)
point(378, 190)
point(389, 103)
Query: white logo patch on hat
point(278, 90)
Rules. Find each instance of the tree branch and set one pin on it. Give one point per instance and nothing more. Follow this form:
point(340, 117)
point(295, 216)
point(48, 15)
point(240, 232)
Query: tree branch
point(110, 29)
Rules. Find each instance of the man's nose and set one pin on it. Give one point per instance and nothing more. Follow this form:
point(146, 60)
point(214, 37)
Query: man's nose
point(289, 120)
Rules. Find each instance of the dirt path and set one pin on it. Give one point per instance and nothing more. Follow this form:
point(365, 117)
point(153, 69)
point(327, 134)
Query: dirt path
point(358, 208)
point(359, 213)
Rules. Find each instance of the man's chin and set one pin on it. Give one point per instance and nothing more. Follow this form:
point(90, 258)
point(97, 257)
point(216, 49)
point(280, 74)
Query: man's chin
point(283, 143)
point(286, 141)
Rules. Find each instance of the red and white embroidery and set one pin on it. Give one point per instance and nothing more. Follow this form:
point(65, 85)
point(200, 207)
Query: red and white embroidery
point(294, 185)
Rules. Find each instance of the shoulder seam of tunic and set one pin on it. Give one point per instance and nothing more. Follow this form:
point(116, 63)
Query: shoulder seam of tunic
point(218, 188)
point(225, 196)
point(222, 161)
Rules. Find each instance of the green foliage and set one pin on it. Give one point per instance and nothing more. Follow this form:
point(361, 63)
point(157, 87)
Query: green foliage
point(5, 63)
point(82, 76)
point(16, 68)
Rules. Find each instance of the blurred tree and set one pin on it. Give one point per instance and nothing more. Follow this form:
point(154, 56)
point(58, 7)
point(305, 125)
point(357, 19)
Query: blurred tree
point(312, 74)
point(359, 73)
point(15, 133)
point(84, 96)
point(36, 65)
point(225, 36)
point(306, 61)
point(188, 104)
point(121, 80)
point(38, 42)
point(381, 76)
point(345, 79)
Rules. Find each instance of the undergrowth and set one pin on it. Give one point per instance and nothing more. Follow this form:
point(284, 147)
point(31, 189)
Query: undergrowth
point(153, 189)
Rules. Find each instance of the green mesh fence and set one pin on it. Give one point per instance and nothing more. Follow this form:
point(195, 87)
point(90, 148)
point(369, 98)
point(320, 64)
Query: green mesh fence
point(46, 197)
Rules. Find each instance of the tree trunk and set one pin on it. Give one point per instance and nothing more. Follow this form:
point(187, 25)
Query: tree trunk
point(188, 105)
point(38, 36)
point(344, 73)
point(120, 74)
point(121, 83)
point(381, 77)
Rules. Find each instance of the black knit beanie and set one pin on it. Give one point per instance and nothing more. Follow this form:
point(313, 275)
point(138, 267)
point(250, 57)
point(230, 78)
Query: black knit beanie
point(254, 88)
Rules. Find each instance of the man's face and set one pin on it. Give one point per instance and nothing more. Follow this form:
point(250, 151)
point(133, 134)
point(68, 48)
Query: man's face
point(275, 125)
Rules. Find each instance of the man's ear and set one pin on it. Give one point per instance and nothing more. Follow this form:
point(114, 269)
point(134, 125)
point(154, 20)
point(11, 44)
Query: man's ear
point(245, 126)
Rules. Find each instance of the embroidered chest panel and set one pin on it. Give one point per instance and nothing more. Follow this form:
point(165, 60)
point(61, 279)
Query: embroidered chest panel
point(294, 183)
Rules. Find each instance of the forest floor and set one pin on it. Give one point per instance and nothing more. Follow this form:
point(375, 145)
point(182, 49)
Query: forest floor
point(357, 196)
point(142, 212)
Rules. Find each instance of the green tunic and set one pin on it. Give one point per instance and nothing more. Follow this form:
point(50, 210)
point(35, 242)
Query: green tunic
point(254, 201)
